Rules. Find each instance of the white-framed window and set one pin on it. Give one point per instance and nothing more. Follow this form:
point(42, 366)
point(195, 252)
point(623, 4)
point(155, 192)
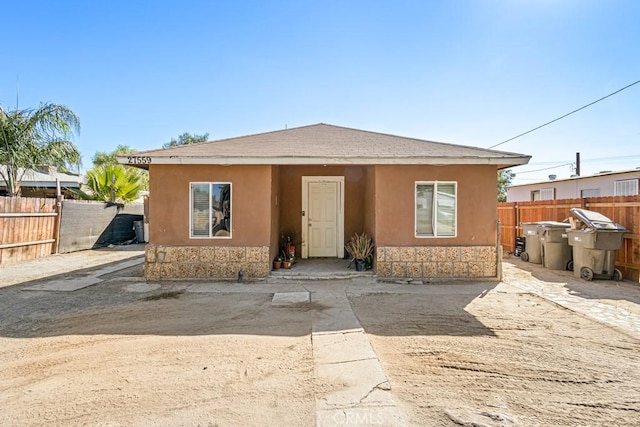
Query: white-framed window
point(626, 187)
point(543, 194)
point(592, 192)
point(548, 193)
point(436, 208)
point(210, 210)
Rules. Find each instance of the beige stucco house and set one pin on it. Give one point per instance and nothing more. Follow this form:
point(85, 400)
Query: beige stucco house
point(222, 206)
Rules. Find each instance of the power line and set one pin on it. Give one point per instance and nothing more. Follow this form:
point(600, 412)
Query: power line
point(568, 114)
point(544, 169)
point(583, 161)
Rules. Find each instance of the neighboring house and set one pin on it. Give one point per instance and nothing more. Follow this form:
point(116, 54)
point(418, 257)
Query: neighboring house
point(622, 183)
point(42, 182)
point(222, 206)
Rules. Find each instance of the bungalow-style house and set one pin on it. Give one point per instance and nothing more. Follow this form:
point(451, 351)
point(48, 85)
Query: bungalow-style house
point(607, 183)
point(222, 206)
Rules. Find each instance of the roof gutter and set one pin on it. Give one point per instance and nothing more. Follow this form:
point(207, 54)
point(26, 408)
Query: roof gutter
point(143, 162)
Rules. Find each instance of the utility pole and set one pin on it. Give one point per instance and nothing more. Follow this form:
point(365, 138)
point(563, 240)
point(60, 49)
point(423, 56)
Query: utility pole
point(10, 166)
point(113, 190)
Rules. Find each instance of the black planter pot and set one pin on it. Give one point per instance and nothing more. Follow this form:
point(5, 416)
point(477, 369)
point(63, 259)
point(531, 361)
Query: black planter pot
point(360, 265)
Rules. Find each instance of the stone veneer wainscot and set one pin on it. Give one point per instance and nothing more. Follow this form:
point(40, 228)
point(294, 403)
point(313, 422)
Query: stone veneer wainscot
point(436, 262)
point(219, 262)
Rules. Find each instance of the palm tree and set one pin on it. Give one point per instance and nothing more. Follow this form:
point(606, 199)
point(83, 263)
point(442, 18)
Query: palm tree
point(112, 183)
point(33, 137)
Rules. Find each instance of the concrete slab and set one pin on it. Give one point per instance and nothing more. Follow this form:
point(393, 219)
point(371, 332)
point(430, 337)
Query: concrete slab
point(232, 287)
point(356, 382)
point(141, 287)
point(75, 262)
point(337, 316)
point(340, 347)
point(65, 285)
point(117, 267)
point(320, 269)
point(74, 283)
point(355, 390)
point(290, 298)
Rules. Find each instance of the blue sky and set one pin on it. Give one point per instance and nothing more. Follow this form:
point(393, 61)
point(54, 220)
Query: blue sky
point(466, 72)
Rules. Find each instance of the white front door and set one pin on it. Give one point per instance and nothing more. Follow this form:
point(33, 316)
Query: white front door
point(323, 221)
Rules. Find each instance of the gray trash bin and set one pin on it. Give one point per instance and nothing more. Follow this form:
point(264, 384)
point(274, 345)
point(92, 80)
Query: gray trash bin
point(556, 252)
point(532, 250)
point(595, 246)
point(532, 243)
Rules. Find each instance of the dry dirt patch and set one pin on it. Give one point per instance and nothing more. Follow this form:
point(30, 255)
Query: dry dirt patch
point(193, 359)
point(501, 358)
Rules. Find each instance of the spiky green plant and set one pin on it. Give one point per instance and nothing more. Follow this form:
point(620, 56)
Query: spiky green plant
point(112, 183)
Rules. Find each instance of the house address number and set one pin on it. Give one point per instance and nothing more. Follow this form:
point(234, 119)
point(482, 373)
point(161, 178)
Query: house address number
point(138, 160)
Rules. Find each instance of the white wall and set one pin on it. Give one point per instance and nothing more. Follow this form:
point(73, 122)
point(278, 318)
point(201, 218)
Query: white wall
point(571, 188)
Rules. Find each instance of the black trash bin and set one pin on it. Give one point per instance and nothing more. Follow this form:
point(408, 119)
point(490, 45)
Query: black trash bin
point(138, 226)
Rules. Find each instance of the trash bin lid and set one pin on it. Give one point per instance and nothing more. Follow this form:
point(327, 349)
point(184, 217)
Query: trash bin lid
point(596, 220)
point(554, 224)
point(547, 223)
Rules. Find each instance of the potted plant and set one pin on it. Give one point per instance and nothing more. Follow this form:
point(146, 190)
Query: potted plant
point(286, 261)
point(288, 241)
point(360, 248)
point(277, 262)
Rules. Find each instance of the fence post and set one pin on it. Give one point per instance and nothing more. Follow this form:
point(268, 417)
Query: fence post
point(516, 217)
point(499, 253)
point(56, 229)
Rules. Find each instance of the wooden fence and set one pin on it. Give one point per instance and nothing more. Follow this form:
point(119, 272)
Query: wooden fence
point(33, 228)
point(27, 228)
point(621, 209)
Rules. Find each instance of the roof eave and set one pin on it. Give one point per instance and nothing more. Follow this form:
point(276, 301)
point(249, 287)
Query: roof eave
point(503, 162)
point(49, 184)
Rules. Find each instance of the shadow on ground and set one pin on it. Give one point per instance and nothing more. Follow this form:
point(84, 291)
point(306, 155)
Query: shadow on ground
point(169, 312)
point(436, 310)
point(121, 306)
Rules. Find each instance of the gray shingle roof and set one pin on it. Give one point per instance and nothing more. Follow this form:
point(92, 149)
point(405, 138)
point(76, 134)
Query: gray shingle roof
point(328, 144)
point(33, 178)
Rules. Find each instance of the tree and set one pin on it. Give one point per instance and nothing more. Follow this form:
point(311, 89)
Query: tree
point(33, 137)
point(505, 177)
point(186, 139)
point(112, 183)
point(103, 158)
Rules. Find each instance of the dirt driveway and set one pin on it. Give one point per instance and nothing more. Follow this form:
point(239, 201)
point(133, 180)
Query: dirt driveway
point(127, 352)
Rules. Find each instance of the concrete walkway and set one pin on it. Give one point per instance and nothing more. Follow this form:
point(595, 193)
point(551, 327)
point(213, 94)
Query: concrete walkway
point(71, 283)
point(352, 387)
point(557, 292)
point(71, 263)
